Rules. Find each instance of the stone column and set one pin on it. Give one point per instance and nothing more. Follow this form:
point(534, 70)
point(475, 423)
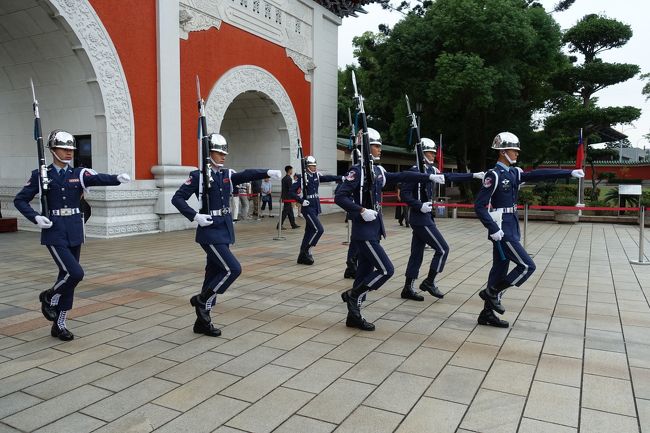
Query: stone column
point(169, 174)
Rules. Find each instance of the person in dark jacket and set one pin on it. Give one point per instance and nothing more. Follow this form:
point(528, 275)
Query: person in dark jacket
point(496, 207)
point(62, 231)
point(287, 207)
point(215, 231)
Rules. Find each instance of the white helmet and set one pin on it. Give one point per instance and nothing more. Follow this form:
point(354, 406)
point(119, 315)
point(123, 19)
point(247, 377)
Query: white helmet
point(428, 145)
point(218, 143)
point(62, 140)
point(373, 137)
point(505, 140)
point(310, 160)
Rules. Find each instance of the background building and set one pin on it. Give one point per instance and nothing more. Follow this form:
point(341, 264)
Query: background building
point(121, 76)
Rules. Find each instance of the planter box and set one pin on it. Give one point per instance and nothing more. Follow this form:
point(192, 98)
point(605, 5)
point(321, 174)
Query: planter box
point(566, 217)
point(8, 225)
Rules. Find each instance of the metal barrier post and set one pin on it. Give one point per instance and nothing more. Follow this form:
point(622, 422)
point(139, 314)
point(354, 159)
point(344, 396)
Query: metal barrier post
point(259, 206)
point(525, 222)
point(642, 260)
point(279, 237)
point(347, 240)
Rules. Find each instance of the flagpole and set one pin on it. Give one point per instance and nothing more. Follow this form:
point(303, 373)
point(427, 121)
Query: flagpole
point(581, 181)
point(440, 163)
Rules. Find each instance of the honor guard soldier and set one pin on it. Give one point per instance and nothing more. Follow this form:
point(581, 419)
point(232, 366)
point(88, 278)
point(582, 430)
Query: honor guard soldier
point(374, 267)
point(310, 208)
point(63, 231)
point(496, 207)
point(424, 228)
point(215, 231)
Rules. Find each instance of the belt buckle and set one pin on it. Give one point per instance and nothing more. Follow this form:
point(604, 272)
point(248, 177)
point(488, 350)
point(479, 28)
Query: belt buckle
point(65, 212)
point(225, 211)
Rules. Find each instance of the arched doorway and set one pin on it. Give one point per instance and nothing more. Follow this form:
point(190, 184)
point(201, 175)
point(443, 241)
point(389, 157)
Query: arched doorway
point(253, 111)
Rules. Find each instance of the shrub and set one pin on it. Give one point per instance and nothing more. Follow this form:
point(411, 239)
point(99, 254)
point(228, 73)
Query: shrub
point(589, 190)
point(526, 196)
point(562, 200)
point(598, 203)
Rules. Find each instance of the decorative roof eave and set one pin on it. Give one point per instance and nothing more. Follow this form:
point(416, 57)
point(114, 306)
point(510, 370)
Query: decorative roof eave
point(345, 8)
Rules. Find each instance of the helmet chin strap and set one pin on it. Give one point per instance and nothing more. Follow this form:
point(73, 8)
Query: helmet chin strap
point(62, 161)
point(428, 161)
point(375, 158)
point(511, 161)
point(215, 164)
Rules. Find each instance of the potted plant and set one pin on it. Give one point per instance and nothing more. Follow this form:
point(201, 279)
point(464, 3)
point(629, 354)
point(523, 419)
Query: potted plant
point(564, 216)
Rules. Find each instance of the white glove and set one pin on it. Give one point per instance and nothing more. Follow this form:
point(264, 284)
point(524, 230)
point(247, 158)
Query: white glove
point(479, 175)
point(124, 178)
point(578, 173)
point(202, 219)
point(305, 202)
point(274, 174)
point(497, 236)
point(437, 178)
point(426, 207)
point(369, 215)
point(342, 178)
point(43, 222)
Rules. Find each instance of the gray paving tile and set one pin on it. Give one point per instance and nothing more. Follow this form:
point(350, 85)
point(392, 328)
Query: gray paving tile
point(398, 393)
point(608, 394)
point(203, 418)
point(433, 415)
point(370, 419)
point(553, 403)
point(146, 418)
point(337, 401)
point(12, 403)
point(49, 411)
point(319, 375)
point(493, 411)
point(374, 368)
point(299, 423)
point(75, 422)
point(603, 422)
point(270, 411)
point(258, 384)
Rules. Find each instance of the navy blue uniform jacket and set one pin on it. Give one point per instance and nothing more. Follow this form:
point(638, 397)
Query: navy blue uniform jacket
point(500, 189)
point(221, 231)
point(348, 197)
point(410, 190)
point(313, 183)
point(66, 230)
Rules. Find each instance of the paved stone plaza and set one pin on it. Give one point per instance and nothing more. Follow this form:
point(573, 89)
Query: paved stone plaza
point(576, 358)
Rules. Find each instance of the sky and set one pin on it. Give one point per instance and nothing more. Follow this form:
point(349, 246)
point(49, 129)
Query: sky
point(636, 51)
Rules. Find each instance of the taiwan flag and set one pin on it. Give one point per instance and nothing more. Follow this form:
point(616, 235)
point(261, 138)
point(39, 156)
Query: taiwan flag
point(580, 154)
point(441, 162)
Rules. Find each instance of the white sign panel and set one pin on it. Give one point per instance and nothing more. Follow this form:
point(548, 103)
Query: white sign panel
point(629, 190)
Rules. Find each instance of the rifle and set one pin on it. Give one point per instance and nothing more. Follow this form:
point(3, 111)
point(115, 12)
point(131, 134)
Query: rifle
point(354, 151)
point(303, 167)
point(419, 155)
point(367, 162)
point(206, 165)
point(43, 181)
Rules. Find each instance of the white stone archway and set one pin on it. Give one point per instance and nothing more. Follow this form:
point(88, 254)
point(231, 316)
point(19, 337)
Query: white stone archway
point(93, 38)
point(250, 78)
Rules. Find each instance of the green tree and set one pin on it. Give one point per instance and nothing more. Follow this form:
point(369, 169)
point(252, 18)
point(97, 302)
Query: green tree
point(476, 67)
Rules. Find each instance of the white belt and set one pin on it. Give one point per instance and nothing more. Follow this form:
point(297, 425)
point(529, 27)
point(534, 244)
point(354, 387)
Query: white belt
point(65, 211)
point(312, 196)
point(512, 209)
point(220, 212)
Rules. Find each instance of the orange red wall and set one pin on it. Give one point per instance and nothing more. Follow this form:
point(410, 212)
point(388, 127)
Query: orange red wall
point(133, 32)
point(211, 53)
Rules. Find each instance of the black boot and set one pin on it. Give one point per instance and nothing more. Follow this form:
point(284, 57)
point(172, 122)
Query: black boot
point(429, 285)
point(351, 269)
point(201, 327)
point(492, 297)
point(353, 301)
point(488, 318)
point(49, 311)
point(58, 327)
point(408, 292)
point(304, 258)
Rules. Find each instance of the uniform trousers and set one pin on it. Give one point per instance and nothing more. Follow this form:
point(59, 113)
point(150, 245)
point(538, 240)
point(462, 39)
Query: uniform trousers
point(313, 231)
point(221, 270)
point(426, 235)
point(513, 252)
point(374, 267)
point(70, 274)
